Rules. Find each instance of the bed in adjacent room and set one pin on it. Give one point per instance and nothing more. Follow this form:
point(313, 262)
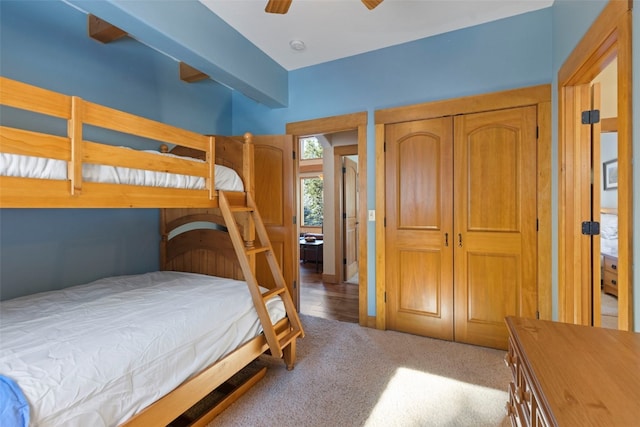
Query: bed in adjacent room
point(609, 250)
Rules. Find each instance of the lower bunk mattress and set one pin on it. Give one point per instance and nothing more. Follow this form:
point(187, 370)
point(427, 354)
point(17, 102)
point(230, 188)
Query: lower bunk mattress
point(97, 354)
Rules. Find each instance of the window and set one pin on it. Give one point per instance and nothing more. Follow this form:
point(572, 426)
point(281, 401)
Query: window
point(312, 189)
point(310, 148)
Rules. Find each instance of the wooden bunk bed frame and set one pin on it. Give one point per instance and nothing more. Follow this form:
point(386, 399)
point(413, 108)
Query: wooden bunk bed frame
point(205, 251)
point(75, 192)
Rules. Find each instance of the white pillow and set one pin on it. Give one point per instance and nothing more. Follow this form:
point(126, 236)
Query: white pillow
point(609, 226)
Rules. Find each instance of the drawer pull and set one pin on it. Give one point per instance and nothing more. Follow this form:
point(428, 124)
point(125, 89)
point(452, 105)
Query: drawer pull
point(614, 282)
point(614, 267)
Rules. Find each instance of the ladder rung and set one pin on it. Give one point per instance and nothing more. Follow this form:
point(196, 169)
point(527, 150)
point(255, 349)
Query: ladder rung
point(257, 250)
point(272, 293)
point(287, 339)
point(241, 209)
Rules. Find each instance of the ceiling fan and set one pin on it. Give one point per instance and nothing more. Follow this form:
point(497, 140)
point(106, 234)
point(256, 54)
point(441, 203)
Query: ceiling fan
point(282, 6)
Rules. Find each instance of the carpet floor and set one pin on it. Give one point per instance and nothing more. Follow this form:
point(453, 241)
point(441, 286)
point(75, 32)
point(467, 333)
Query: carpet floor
point(347, 375)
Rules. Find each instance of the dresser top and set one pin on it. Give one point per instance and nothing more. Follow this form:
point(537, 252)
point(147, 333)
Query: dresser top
point(585, 375)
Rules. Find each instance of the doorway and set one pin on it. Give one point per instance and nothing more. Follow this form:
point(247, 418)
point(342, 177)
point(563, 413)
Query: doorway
point(584, 264)
point(346, 165)
point(355, 125)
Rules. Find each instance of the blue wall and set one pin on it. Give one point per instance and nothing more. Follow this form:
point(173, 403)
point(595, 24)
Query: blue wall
point(46, 44)
point(505, 54)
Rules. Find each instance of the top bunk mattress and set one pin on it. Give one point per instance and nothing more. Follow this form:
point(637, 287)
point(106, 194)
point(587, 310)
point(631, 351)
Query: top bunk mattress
point(15, 165)
point(96, 354)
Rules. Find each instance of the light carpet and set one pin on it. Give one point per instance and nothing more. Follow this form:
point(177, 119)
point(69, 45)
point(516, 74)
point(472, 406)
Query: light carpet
point(347, 375)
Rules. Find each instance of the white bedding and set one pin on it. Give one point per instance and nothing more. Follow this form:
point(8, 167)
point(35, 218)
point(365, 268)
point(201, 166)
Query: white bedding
point(609, 234)
point(96, 354)
point(39, 167)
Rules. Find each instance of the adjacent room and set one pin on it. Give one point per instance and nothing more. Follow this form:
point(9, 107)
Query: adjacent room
point(310, 213)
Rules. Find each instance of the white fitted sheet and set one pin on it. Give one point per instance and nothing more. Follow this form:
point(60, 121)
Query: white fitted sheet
point(96, 354)
point(226, 179)
point(609, 247)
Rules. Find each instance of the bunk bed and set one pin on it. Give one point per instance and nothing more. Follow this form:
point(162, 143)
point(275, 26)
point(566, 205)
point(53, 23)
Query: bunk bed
point(207, 268)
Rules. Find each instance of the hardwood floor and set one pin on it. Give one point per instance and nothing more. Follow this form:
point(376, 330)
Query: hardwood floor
point(337, 301)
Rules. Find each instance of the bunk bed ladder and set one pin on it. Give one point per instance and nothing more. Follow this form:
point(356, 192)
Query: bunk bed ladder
point(230, 214)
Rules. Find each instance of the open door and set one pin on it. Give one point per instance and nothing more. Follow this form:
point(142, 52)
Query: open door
point(350, 219)
point(607, 39)
point(275, 178)
point(596, 276)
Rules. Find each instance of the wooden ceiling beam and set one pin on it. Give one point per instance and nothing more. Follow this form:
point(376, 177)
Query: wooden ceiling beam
point(103, 31)
point(190, 74)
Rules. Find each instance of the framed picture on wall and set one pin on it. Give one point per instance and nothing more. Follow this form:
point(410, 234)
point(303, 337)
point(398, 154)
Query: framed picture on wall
point(610, 174)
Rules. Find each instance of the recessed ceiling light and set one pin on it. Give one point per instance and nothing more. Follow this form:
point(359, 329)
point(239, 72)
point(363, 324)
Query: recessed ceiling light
point(297, 45)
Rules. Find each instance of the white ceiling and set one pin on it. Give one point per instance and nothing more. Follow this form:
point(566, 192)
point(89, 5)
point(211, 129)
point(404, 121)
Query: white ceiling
point(334, 29)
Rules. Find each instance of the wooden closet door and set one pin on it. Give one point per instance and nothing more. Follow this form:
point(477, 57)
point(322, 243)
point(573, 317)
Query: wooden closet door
point(419, 218)
point(275, 197)
point(495, 223)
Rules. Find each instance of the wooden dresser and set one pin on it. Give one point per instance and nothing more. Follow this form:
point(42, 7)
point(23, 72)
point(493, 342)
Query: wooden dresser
point(571, 375)
point(610, 275)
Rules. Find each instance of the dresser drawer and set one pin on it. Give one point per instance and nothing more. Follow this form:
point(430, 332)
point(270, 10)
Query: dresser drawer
point(610, 283)
point(611, 264)
point(610, 279)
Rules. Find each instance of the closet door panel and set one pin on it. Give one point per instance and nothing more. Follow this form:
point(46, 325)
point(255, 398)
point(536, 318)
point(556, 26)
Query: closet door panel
point(486, 272)
point(495, 223)
point(419, 220)
point(492, 164)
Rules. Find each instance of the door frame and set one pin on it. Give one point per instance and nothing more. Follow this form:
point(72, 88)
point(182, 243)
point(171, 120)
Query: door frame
point(341, 123)
point(338, 153)
point(540, 96)
point(608, 37)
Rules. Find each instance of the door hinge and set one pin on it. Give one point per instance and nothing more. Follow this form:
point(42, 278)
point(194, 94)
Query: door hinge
point(344, 261)
point(385, 221)
point(590, 117)
point(293, 154)
point(344, 170)
point(344, 215)
point(295, 284)
point(295, 219)
point(385, 296)
point(537, 224)
point(537, 315)
point(537, 132)
point(590, 228)
point(384, 147)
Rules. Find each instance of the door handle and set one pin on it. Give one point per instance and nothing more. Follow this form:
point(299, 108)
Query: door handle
point(459, 240)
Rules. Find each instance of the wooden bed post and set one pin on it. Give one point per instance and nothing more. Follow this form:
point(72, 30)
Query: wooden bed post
point(248, 226)
point(74, 131)
point(248, 163)
point(211, 160)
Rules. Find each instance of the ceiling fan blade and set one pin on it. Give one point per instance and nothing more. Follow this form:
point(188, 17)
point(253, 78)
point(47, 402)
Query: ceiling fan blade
point(278, 6)
point(371, 4)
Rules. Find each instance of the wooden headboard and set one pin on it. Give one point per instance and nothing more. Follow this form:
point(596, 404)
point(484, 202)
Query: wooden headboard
point(202, 247)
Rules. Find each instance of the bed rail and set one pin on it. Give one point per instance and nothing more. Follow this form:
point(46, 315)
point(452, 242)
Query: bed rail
point(72, 148)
